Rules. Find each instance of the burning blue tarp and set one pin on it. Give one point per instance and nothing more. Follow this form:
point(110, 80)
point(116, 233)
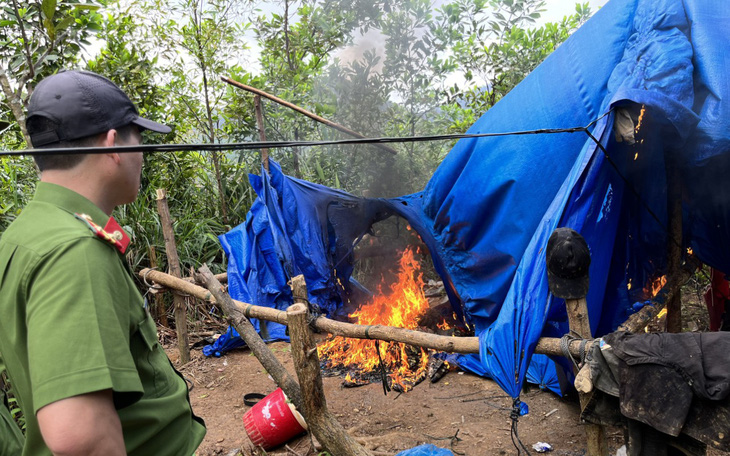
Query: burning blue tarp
point(490, 207)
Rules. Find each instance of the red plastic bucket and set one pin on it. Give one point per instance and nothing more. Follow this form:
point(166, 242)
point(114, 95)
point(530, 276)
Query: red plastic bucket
point(272, 421)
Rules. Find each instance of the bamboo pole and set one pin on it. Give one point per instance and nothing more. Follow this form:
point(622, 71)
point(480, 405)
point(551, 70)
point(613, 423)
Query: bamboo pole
point(173, 262)
point(547, 346)
point(322, 423)
point(239, 320)
point(303, 111)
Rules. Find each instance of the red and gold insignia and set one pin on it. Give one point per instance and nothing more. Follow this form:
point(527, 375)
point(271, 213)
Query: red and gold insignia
point(112, 232)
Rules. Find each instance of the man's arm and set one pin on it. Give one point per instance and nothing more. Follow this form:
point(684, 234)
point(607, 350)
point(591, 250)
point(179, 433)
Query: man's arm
point(82, 425)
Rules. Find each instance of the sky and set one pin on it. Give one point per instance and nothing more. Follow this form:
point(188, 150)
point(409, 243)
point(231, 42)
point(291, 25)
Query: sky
point(557, 9)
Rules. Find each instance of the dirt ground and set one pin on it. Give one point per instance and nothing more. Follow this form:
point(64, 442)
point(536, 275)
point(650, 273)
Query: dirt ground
point(462, 412)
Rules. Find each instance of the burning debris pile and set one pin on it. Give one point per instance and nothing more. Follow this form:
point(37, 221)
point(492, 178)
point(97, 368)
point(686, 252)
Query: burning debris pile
point(363, 361)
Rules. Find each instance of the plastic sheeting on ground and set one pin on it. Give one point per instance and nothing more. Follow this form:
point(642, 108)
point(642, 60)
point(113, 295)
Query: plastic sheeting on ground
point(426, 450)
point(490, 207)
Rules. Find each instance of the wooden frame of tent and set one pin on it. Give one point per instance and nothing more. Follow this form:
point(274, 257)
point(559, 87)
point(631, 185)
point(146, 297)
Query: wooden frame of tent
point(307, 394)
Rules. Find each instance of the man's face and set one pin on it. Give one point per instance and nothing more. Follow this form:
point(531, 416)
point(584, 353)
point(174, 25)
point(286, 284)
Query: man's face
point(131, 167)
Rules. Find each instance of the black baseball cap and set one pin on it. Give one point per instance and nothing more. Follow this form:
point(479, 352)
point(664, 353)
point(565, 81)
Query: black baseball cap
point(568, 260)
point(81, 104)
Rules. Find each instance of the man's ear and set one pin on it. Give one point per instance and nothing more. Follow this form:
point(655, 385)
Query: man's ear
point(110, 140)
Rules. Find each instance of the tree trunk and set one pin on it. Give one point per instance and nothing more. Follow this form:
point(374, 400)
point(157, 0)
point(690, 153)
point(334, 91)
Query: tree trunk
point(15, 104)
point(262, 133)
point(674, 243)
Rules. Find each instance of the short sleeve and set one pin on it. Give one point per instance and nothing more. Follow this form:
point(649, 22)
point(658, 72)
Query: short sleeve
point(78, 320)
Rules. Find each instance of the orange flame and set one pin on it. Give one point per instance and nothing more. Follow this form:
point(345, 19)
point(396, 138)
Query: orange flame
point(401, 307)
point(657, 285)
point(641, 118)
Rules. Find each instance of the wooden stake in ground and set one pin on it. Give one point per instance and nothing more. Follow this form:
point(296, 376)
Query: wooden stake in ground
point(568, 260)
point(674, 242)
point(173, 263)
point(580, 325)
point(323, 425)
point(238, 320)
point(160, 310)
point(262, 133)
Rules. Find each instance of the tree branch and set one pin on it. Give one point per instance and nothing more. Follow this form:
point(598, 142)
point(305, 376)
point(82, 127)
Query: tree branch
point(28, 56)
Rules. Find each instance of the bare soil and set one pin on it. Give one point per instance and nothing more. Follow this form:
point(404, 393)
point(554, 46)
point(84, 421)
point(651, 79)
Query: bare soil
point(465, 413)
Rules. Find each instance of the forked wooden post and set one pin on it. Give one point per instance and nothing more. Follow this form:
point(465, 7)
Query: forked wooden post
point(322, 423)
point(580, 324)
point(173, 263)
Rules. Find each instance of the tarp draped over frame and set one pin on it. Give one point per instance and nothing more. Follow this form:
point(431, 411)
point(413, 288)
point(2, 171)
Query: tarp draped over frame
point(489, 209)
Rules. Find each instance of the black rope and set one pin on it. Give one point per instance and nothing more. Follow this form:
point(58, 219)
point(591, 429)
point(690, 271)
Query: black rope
point(565, 342)
point(255, 145)
point(515, 417)
point(381, 367)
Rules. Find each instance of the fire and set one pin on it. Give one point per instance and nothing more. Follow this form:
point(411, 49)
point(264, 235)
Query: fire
point(657, 285)
point(641, 118)
point(401, 307)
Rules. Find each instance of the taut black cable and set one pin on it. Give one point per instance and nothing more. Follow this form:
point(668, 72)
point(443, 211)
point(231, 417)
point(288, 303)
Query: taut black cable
point(255, 145)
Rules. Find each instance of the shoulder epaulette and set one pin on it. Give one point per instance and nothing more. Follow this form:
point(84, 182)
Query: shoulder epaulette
point(112, 232)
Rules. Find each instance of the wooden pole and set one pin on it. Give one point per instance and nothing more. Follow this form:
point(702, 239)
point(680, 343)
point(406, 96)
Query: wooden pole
point(173, 262)
point(238, 320)
point(159, 299)
point(262, 133)
point(303, 111)
point(547, 346)
point(674, 242)
point(322, 423)
point(580, 325)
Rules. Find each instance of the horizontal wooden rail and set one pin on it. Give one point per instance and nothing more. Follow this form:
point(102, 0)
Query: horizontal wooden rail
point(546, 346)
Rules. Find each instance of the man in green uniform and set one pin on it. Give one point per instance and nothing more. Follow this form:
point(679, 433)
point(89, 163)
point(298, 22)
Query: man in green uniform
point(80, 348)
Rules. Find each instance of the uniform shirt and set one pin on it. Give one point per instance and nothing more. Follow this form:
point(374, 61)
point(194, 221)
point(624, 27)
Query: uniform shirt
point(73, 322)
point(11, 438)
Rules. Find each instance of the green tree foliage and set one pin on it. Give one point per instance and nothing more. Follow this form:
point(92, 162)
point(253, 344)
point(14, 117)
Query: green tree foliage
point(189, 177)
point(37, 38)
point(382, 68)
point(491, 44)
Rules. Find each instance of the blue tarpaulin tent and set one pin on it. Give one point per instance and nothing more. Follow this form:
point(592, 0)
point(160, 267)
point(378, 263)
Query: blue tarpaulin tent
point(489, 209)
